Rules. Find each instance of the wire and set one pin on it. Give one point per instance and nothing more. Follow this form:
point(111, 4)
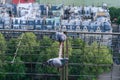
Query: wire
point(15, 54)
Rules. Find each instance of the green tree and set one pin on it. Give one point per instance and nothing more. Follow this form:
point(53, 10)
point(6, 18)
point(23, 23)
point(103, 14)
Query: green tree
point(11, 46)
point(27, 51)
point(16, 70)
point(97, 55)
point(76, 56)
point(48, 49)
point(2, 55)
point(3, 46)
point(118, 21)
point(102, 56)
point(114, 14)
point(28, 47)
point(87, 56)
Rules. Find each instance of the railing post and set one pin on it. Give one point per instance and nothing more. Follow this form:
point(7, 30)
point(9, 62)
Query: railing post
point(62, 69)
point(67, 55)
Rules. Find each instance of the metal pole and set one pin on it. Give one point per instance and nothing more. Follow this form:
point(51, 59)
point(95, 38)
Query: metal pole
point(67, 55)
point(111, 76)
point(60, 74)
point(62, 69)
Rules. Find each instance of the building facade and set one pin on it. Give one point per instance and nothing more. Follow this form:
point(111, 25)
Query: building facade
point(22, 1)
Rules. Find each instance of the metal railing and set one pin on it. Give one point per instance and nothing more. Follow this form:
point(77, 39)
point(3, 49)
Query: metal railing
point(64, 74)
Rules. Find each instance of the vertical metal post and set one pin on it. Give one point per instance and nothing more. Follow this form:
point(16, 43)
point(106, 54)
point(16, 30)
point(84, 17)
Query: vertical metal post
point(60, 74)
point(62, 69)
point(111, 76)
point(112, 65)
point(67, 55)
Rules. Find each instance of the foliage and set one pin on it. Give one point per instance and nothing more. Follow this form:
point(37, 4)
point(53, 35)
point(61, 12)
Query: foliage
point(27, 47)
point(15, 68)
point(11, 46)
point(2, 46)
point(2, 70)
point(114, 14)
point(118, 21)
point(98, 54)
point(76, 56)
point(90, 55)
point(48, 49)
point(2, 55)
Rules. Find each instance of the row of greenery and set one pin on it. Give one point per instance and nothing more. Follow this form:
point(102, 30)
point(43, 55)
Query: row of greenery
point(33, 50)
